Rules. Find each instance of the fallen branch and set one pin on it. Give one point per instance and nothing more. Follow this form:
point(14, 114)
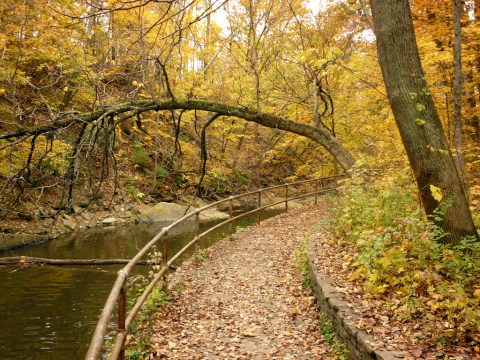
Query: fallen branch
point(27, 260)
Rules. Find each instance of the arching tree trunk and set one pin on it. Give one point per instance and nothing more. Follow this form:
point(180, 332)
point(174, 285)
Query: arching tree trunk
point(319, 135)
point(417, 119)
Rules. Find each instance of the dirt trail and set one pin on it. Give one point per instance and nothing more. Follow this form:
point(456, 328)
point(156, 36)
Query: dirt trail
point(245, 301)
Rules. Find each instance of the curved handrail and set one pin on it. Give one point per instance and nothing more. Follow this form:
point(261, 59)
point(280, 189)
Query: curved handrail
point(117, 294)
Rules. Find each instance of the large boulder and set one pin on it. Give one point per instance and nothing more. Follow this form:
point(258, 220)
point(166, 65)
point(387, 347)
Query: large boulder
point(213, 214)
point(169, 212)
point(209, 214)
point(69, 222)
point(164, 212)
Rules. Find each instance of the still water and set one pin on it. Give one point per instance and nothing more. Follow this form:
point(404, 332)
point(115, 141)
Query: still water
point(50, 312)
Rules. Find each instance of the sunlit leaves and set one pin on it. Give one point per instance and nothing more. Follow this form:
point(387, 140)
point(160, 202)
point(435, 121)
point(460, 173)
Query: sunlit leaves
point(420, 107)
point(436, 192)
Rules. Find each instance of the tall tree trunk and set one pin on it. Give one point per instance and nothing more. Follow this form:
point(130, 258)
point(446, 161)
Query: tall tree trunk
point(206, 50)
point(457, 88)
point(474, 120)
point(417, 119)
point(473, 97)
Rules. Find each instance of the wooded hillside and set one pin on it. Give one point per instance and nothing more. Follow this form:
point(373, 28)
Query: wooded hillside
point(296, 93)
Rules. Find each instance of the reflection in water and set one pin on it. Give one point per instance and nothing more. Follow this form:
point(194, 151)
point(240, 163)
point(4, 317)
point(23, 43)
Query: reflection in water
point(49, 312)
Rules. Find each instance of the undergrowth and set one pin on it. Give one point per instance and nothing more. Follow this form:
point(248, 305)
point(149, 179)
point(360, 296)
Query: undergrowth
point(138, 340)
point(400, 259)
point(202, 255)
point(302, 263)
point(338, 349)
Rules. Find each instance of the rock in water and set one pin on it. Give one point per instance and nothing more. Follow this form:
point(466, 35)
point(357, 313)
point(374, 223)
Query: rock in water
point(164, 212)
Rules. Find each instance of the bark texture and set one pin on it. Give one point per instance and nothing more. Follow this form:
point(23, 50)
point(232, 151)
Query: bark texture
point(417, 119)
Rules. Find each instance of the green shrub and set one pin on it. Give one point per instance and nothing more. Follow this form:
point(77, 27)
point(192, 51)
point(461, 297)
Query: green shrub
point(140, 157)
point(301, 259)
point(401, 259)
point(339, 350)
point(130, 186)
point(162, 172)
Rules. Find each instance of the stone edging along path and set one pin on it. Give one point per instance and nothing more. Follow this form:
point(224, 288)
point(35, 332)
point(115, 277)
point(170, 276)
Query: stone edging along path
point(336, 310)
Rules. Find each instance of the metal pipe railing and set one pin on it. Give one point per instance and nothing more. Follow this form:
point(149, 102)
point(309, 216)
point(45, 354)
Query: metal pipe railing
point(117, 295)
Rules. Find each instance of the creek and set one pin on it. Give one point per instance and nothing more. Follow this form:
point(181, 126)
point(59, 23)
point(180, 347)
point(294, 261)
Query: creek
point(50, 312)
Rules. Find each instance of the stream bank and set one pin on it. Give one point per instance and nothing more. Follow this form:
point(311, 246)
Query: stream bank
point(38, 230)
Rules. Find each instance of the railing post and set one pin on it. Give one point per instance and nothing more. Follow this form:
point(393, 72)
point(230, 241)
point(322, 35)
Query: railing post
point(164, 260)
point(316, 192)
point(122, 315)
point(259, 212)
point(197, 233)
point(286, 198)
point(230, 224)
point(164, 250)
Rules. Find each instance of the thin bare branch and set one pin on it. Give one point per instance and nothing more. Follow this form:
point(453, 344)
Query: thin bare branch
point(204, 154)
